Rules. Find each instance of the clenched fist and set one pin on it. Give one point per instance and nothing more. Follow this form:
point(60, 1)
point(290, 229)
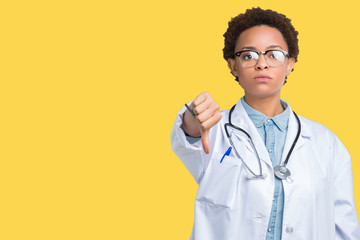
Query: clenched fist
point(208, 114)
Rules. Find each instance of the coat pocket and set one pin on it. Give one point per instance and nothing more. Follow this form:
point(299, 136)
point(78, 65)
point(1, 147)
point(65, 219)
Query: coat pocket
point(220, 182)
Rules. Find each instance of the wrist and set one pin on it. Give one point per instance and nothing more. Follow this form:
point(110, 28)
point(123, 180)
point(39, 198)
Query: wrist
point(190, 126)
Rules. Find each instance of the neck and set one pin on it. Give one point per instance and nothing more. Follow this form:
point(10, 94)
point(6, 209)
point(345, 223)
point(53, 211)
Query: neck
point(270, 106)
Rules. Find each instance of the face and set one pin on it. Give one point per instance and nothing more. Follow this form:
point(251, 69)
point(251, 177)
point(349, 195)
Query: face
point(261, 80)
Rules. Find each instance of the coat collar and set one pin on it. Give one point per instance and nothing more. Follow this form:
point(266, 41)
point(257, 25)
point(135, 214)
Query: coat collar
point(241, 119)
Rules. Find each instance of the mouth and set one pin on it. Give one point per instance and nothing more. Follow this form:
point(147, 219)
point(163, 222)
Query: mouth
point(262, 78)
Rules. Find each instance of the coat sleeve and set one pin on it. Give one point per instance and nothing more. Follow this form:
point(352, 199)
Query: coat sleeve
point(189, 152)
point(346, 220)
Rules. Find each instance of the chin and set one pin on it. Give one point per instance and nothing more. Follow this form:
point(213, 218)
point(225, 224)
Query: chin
point(263, 92)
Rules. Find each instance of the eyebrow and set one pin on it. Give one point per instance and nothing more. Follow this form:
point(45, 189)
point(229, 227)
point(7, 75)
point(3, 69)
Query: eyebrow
point(254, 48)
point(248, 47)
point(274, 46)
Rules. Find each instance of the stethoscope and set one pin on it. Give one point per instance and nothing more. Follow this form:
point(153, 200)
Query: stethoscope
point(281, 171)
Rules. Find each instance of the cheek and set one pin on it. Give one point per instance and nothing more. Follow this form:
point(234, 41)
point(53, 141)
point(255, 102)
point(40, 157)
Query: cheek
point(284, 73)
point(246, 79)
point(245, 72)
point(280, 73)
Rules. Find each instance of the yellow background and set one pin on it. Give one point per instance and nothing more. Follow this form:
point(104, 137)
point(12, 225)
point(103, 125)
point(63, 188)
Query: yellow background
point(90, 91)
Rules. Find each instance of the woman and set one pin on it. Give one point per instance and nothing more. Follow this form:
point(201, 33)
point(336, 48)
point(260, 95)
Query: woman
point(270, 174)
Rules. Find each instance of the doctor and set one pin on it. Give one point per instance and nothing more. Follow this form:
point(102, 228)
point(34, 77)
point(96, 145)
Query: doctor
point(314, 196)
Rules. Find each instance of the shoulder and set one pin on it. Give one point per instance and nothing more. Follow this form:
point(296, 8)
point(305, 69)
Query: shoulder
point(318, 133)
point(225, 112)
point(315, 128)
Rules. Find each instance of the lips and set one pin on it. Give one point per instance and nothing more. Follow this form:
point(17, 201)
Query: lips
point(262, 78)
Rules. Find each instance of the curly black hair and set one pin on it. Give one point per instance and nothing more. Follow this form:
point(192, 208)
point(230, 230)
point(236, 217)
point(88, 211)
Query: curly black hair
point(256, 17)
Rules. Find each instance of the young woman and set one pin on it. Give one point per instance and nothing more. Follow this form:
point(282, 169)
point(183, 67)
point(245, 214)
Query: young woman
point(263, 171)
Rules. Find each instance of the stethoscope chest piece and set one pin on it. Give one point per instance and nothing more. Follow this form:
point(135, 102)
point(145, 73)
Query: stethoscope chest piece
point(281, 172)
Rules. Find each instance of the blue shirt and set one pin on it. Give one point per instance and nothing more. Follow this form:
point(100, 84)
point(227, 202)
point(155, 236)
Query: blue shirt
point(273, 132)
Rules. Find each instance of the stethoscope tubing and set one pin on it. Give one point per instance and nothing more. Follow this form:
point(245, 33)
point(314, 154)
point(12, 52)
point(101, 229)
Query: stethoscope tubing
point(261, 175)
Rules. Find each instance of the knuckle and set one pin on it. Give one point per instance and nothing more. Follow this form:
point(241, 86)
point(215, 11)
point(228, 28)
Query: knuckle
point(205, 95)
point(203, 125)
point(199, 99)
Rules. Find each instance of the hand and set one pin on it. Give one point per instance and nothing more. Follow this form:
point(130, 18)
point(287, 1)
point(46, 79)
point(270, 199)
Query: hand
point(208, 114)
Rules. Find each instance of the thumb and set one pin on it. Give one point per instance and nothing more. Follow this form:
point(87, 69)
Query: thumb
point(205, 140)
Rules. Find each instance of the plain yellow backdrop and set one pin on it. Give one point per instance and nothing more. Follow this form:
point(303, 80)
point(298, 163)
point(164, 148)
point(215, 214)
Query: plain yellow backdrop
point(90, 91)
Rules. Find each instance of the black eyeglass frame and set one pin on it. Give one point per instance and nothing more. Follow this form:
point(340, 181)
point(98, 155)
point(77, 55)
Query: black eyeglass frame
point(258, 53)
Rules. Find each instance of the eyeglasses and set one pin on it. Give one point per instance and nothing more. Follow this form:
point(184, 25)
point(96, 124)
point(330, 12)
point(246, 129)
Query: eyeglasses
point(274, 58)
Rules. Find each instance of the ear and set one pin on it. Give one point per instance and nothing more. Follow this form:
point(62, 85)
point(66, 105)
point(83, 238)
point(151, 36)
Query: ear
point(232, 66)
point(290, 66)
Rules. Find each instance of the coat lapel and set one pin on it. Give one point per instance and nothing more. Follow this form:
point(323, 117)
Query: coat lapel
point(241, 119)
point(291, 135)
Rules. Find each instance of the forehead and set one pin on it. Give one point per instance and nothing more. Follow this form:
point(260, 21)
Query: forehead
point(261, 38)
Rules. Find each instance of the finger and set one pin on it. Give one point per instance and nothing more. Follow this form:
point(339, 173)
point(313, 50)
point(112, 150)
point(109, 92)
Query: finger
point(205, 115)
point(201, 98)
point(205, 141)
point(205, 128)
point(198, 109)
point(210, 122)
point(208, 113)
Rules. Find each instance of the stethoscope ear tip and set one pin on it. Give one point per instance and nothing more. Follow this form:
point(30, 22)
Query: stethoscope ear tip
point(264, 175)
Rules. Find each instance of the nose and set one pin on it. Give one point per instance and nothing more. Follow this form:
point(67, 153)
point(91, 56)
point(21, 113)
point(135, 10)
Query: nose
point(261, 63)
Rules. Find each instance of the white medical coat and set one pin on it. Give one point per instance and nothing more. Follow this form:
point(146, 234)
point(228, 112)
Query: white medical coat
point(318, 202)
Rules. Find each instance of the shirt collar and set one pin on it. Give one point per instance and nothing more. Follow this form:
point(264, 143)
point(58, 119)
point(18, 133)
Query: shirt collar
point(258, 118)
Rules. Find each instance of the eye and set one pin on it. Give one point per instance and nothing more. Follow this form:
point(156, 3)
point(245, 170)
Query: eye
point(247, 56)
point(272, 55)
point(278, 55)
